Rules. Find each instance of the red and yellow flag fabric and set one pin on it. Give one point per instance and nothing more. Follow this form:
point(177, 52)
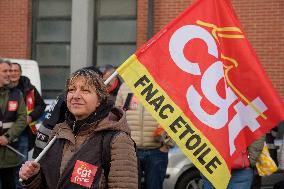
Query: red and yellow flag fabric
point(200, 78)
point(30, 104)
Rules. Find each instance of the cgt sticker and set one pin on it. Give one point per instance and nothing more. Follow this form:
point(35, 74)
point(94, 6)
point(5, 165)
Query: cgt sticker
point(83, 173)
point(12, 106)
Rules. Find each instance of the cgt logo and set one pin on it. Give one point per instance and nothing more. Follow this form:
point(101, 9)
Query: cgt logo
point(12, 106)
point(83, 173)
point(247, 111)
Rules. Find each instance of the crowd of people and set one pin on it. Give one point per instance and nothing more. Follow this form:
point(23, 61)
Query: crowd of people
point(21, 106)
point(104, 137)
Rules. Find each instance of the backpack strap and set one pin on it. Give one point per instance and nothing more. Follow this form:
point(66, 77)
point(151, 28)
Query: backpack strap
point(106, 151)
point(127, 101)
point(107, 137)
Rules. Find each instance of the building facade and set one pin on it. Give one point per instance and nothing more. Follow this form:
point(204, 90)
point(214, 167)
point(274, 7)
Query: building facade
point(64, 35)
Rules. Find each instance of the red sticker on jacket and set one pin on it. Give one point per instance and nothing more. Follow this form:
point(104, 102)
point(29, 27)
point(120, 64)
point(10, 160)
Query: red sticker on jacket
point(83, 173)
point(12, 106)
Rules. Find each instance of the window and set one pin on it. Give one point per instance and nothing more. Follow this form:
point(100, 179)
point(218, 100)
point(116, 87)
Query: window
point(51, 43)
point(115, 36)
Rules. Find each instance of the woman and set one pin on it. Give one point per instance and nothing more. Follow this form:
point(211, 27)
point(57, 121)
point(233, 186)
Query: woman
point(75, 159)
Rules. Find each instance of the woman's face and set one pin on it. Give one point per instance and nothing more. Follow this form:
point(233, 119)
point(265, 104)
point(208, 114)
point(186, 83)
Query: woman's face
point(82, 99)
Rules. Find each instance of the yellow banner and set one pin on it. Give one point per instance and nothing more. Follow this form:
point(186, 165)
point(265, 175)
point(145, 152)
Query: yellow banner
point(189, 139)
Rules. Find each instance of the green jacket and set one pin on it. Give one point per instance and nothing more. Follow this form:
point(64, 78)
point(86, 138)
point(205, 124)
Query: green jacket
point(255, 149)
point(8, 158)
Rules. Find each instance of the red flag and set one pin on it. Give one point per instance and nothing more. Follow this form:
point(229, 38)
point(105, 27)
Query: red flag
point(200, 78)
point(30, 103)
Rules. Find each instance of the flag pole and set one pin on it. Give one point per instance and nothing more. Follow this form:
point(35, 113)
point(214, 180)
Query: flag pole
point(16, 151)
point(45, 149)
point(110, 77)
point(54, 138)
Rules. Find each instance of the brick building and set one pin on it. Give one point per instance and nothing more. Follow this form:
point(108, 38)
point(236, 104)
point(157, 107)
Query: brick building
point(64, 35)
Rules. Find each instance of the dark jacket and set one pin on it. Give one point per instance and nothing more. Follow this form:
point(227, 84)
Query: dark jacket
point(54, 114)
point(123, 171)
point(25, 86)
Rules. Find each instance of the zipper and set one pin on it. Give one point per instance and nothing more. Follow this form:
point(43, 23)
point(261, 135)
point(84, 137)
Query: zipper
point(74, 124)
point(73, 128)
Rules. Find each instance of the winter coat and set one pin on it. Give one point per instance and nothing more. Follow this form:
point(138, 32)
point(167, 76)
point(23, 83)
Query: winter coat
point(9, 158)
point(255, 150)
point(141, 122)
point(25, 86)
point(123, 171)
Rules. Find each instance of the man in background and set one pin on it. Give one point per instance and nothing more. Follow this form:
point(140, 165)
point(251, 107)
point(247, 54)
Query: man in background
point(34, 105)
point(12, 123)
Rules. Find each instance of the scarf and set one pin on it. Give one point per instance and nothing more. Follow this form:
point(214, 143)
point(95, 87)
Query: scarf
point(101, 112)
